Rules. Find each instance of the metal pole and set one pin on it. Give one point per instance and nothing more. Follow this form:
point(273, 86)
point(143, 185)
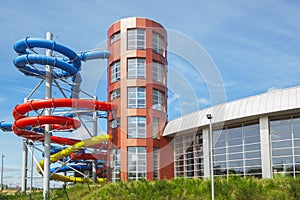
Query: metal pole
point(2, 171)
point(211, 160)
point(24, 166)
point(24, 162)
point(46, 185)
point(95, 130)
point(31, 173)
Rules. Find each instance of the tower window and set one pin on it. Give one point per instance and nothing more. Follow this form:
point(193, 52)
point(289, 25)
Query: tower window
point(157, 43)
point(155, 127)
point(155, 163)
point(115, 72)
point(136, 163)
point(136, 68)
point(136, 127)
point(136, 97)
point(158, 100)
point(136, 39)
point(115, 37)
point(157, 72)
point(115, 94)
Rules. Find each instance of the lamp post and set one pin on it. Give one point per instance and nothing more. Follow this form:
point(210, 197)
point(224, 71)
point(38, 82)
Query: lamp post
point(2, 171)
point(211, 157)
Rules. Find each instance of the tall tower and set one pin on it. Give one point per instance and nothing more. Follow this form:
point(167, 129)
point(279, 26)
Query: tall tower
point(137, 86)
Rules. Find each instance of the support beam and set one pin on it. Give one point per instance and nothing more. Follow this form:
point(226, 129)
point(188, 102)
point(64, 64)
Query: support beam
point(24, 166)
point(206, 152)
point(265, 147)
point(46, 185)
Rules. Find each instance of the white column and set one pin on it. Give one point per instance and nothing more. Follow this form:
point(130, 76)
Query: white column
point(95, 132)
point(265, 147)
point(24, 166)
point(206, 151)
point(47, 141)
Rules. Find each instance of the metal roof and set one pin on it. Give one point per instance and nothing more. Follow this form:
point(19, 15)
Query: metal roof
point(263, 104)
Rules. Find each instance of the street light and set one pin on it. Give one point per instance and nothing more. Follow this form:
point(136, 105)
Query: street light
point(2, 171)
point(209, 116)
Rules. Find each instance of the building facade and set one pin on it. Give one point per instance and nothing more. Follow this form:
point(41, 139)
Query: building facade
point(137, 85)
point(255, 136)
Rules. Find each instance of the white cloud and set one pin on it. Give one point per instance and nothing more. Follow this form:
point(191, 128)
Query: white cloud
point(3, 99)
point(203, 101)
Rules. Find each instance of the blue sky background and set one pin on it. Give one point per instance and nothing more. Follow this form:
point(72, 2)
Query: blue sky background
point(254, 44)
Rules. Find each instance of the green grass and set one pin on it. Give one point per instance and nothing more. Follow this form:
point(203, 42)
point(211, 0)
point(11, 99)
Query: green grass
point(235, 188)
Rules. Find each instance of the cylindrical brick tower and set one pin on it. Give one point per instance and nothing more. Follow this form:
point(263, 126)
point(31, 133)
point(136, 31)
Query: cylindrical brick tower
point(137, 74)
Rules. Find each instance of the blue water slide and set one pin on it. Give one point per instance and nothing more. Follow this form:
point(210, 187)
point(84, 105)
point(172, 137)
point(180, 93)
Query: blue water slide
point(6, 127)
point(69, 68)
point(91, 55)
point(70, 168)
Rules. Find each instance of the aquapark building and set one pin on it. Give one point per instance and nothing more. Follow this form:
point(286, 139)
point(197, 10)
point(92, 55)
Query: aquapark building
point(255, 136)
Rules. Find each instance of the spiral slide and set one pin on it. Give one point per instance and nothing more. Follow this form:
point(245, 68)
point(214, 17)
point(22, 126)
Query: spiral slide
point(32, 127)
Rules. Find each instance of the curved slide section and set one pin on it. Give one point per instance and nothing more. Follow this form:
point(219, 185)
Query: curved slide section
point(72, 149)
point(61, 123)
point(66, 66)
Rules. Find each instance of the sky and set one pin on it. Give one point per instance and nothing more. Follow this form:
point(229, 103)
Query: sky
point(253, 45)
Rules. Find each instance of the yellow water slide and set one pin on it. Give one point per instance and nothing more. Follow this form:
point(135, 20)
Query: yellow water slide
point(72, 149)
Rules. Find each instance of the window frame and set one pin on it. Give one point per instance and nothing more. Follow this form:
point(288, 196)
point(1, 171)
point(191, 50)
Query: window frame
point(159, 102)
point(136, 127)
point(115, 73)
point(134, 67)
point(137, 96)
point(136, 39)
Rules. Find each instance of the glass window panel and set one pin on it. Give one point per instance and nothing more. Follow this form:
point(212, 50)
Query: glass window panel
point(136, 39)
point(237, 170)
point(249, 140)
point(219, 144)
point(237, 163)
point(283, 127)
point(252, 162)
point(253, 170)
point(157, 72)
point(281, 136)
point(234, 133)
point(235, 149)
point(220, 158)
point(296, 127)
point(283, 168)
point(251, 130)
point(136, 97)
point(136, 127)
point(136, 162)
point(157, 43)
point(115, 72)
point(219, 164)
point(296, 143)
point(281, 152)
point(219, 151)
point(282, 144)
point(282, 160)
point(235, 156)
point(297, 159)
point(252, 147)
point(235, 142)
point(297, 151)
point(219, 135)
point(297, 134)
point(158, 100)
point(254, 154)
